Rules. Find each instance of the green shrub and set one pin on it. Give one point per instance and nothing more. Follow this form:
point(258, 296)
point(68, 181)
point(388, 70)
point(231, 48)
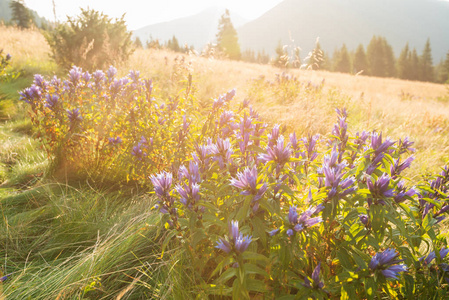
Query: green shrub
point(91, 41)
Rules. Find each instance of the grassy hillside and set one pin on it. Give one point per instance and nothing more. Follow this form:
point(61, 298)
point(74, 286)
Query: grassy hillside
point(74, 240)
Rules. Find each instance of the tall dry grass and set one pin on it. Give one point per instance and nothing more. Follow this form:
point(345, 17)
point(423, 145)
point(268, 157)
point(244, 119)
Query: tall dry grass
point(28, 48)
point(396, 107)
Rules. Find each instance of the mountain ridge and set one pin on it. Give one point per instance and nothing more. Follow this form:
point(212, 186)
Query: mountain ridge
point(351, 22)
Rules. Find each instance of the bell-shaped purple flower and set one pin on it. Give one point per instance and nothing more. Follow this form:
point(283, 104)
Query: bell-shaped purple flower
point(379, 189)
point(74, 115)
point(386, 262)
point(162, 184)
point(247, 181)
point(236, 241)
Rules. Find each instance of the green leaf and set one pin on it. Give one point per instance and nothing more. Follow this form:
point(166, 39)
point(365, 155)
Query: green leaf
point(255, 257)
point(226, 275)
point(370, 287)
point(256, 285)
point(348, 292)
point(253, 269)
point(243, 211)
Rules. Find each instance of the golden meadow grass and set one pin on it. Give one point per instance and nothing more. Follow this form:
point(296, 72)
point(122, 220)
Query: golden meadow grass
point(396, 107)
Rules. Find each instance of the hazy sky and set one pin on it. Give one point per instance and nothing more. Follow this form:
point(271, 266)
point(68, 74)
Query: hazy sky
point(140, 13)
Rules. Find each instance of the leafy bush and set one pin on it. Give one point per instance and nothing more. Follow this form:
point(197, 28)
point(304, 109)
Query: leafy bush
point(91, 41)
point(112, 129)
point(324, 217)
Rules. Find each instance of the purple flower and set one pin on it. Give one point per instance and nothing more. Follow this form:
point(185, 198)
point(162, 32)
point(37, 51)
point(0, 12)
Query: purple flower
point(274, 135)
point(293, 215)
point(236, 240)
point(397, 168)
point(111, 72)
point(51, 101)
point(162, 184)
point(279, 153)
point(305, 220)
point(230, 94)
point(98, 76)
point(247, 181)
point(222, 151)
point(189, 193)
point(405, 146)
point(134, 75)
point(310, 143)
point(4, 278)
point(393, 271)
point(86, 76)
point(75, 75)
point(137, 152)
point(379, 189)
point(364, 219)
point(402, 193)
point(427, 260)
point(31, 94)
point(40, 81)
point(316, 284)
point(274, 232)
point(386, 262)
point(224, 245)
point(74, 115)
point(115, 141)
point(377, 145)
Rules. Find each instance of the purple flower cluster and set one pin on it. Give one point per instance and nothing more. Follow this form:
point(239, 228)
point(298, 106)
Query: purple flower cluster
point(247, 181)
point(334, 174)
point(380, 189)
point(305, 220)
point(380, 149)
point(387, 263)
point(316, 282)
point(236, 242)
point(162, 183)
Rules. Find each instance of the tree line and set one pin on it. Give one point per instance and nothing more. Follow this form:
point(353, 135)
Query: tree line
point(379, 60)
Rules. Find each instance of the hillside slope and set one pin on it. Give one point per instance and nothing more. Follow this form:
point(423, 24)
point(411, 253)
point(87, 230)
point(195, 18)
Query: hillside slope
point(351, 22)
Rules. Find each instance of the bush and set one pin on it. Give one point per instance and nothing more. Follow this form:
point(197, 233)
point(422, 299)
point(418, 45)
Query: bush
point(112, 129)
point(262, 216)
point(91, 41)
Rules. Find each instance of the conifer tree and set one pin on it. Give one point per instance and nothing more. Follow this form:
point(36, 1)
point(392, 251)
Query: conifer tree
point(405, 63)
point(227, 39)
point(281, 60)
point(415, 69)
point(426, 64)
point(342, 61)
point(20, 14)
point(389, 59)
point(315, 59)
point(375, 55)
point(360, 61)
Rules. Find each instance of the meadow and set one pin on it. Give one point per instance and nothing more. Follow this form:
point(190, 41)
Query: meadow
point(106, 235)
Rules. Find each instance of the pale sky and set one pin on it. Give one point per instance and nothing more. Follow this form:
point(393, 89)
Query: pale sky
point(140, 13)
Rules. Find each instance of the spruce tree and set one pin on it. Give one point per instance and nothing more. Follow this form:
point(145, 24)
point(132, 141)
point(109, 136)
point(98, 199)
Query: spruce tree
point(342, 61)
point(404, 63)
point(426, 64)
point(360, 61)
point(375, 55)
point(415, 72)
point(227, 39)
point(389, 59)
point(20, 14)
point(316, 57)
